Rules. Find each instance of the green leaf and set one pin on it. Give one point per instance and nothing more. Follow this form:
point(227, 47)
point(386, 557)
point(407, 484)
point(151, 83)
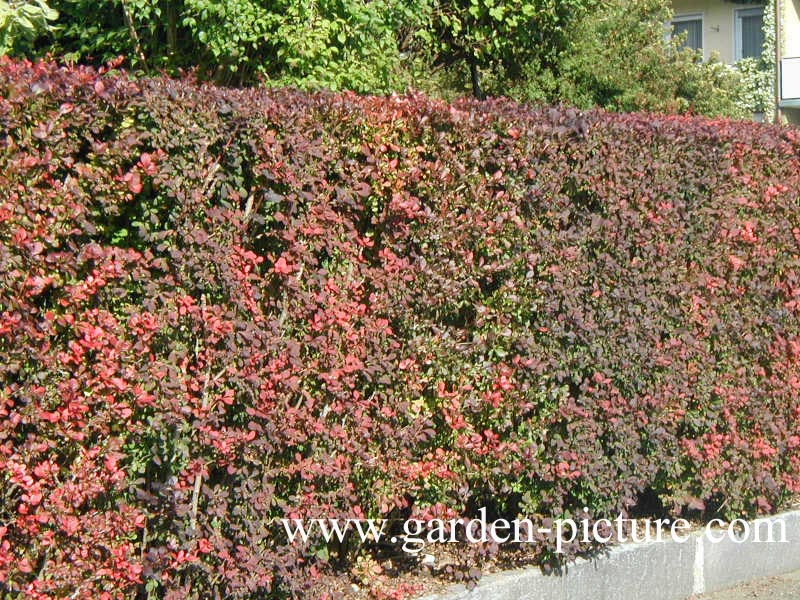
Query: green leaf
point(119, 236)
point(323, 554)
point(496, 13)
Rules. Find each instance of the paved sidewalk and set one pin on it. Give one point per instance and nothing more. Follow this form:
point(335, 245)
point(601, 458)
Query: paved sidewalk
point(781, 587)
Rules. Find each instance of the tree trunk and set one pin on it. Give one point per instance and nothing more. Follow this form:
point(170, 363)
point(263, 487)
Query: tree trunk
point(475, 75)
point(172, 29)
point(137, 43)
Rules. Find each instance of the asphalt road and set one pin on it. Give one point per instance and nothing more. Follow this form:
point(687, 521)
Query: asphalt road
point(782, 587)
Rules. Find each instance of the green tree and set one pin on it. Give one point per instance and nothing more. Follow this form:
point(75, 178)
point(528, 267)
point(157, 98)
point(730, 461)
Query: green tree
point(618, 57)
point(21, 22)
point(583, 52)
point(499, 38)
point(308, 43)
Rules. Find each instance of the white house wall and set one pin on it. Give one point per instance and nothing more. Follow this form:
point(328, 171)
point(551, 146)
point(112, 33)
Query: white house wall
point(791, 45)
point(791, 27)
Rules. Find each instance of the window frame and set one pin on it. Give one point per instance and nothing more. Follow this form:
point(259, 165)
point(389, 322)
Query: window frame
point(738, 39)
point(684, 17)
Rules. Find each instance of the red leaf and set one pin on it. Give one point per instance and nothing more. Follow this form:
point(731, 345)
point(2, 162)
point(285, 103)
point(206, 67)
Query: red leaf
point(134, 182)
point(283, 267)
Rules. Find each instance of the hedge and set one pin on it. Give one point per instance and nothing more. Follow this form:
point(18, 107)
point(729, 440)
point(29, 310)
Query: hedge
point(219, 308)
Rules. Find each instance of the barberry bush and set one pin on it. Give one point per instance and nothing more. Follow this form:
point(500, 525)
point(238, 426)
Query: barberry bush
point(220, 308)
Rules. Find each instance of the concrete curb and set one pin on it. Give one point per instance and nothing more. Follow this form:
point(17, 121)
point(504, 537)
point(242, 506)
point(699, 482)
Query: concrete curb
point(666, 570)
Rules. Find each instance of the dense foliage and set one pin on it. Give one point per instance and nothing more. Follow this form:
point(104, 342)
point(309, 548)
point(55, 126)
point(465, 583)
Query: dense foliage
point(758, 75)
point(222, 307)
point(596, 67)
point(572, 51)
point(500, 37)
point(22, 22)
point(339, 45)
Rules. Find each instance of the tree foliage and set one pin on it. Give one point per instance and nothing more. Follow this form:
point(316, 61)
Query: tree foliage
point(500, 36)
point(573, 51)
point(618, 57)
point(578, 52)
point(21, 22)
point(339, 44)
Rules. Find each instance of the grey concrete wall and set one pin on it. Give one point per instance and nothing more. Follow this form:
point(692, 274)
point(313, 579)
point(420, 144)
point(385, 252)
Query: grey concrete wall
point(667, 570)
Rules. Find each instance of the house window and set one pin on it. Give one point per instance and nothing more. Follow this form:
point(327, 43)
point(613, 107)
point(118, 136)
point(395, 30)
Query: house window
point(690, 28)
point(749, 32)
